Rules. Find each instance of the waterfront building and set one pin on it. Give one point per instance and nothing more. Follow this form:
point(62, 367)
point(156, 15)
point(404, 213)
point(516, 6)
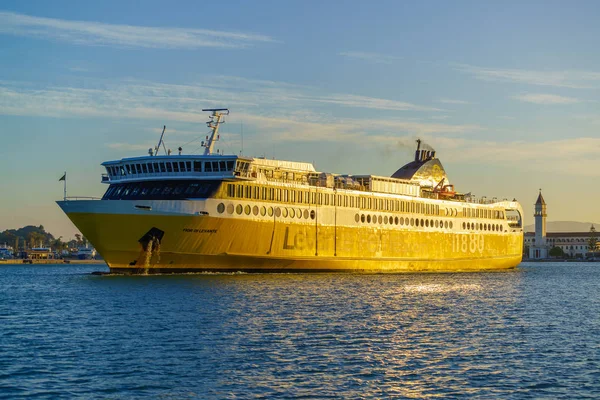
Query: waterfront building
point(540, 242)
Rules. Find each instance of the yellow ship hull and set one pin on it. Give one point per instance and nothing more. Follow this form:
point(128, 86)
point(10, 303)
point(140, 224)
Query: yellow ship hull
point(194, 243)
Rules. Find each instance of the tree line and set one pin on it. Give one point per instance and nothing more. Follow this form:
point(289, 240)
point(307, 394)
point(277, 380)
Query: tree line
point(32, 236)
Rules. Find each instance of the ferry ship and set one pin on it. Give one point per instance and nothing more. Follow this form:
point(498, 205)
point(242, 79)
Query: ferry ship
point(178, 213)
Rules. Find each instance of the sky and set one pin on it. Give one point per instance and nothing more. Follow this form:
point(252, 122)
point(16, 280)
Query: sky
point(506, 92)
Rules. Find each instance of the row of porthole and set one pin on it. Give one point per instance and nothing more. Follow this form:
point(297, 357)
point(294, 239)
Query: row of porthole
point(482, 227)
point(270, 211)
point(385, 220)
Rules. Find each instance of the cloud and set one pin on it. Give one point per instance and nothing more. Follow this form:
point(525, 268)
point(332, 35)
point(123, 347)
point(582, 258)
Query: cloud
point(550, 156)
point(568, 78)
point(370, 57)
point(270, 111)
point(453, 101)
point(103, 34)
point(370, 102)
point(541, 98)
point(140, 99)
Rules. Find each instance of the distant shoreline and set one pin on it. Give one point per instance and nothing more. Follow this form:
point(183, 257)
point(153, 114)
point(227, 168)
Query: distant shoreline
point(21, 262)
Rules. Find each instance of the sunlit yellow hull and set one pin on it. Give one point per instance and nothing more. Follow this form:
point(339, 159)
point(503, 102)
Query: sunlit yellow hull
point(212, 243)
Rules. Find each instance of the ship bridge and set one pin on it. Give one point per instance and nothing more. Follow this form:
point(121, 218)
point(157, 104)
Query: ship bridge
point(173, 167)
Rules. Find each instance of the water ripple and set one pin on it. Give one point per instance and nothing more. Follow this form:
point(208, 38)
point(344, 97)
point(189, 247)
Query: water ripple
point(529, 333)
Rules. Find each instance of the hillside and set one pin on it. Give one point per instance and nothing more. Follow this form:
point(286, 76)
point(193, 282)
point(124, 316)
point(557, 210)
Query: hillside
point(565, 226)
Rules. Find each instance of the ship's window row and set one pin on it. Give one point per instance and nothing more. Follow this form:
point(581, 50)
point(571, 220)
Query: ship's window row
point(284, 212)
point(161, 190)
point(418, 222)
point(476, 226)
point(299, 196)
point(482, 213)
point(160, 167)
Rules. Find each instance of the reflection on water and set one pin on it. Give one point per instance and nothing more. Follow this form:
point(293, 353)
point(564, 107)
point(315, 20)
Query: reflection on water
point(533, 332)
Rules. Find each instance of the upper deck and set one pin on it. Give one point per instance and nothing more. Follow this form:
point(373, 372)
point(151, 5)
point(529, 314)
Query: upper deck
point(424, 177)
point(203, 167)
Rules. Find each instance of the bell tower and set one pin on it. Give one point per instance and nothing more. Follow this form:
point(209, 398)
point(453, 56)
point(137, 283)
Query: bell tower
point(540, 220)
point(539, 249)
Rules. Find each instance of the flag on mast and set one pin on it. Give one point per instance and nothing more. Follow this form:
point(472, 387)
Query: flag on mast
point(64, 177)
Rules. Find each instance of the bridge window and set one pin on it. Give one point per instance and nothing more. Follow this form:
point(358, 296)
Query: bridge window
point(191, 188)
point(197, 166)
point(208, 167)
point(175, 167)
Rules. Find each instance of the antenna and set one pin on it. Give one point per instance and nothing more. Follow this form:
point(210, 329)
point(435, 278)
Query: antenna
point(215, 120)
point(242, 126)
point(161, 140)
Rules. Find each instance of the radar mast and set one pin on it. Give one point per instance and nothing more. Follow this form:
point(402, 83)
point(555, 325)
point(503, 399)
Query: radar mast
point(216, 118)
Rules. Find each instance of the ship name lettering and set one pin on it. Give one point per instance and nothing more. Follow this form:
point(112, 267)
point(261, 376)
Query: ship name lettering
point(191, 230)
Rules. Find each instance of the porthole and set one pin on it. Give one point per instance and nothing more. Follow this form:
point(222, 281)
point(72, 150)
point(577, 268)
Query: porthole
point(239, 209)
point(396, 220)
point(446, 224)
point(357, 218)
point(292, 213)
point(284, 212)
point(451, 224)
point(255, 210)
point(278, 212)
point(247, 210)
point(368, 218)
point(299, 213)
point(380, 219)
point(313, 214)
point(230, 208)
point(464, 225)
point(468, 225)
point(437, 224)
point(401, 220)
point(305, 214)
point(493, 228)
point(489, 227)
point(263, 211)
point(385, 219)
point(412, 222)
point(362, 218)
point(221, 208)
point(270, 211)
point(416, 222)
point(427, 223)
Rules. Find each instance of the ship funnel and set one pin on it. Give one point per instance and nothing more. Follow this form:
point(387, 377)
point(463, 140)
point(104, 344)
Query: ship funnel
point(418, 152)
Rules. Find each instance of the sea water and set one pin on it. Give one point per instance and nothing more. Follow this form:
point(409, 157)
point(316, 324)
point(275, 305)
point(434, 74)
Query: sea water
point(528, 333)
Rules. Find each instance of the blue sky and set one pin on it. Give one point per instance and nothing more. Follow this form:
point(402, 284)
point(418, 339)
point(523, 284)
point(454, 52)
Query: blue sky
point(506, 92)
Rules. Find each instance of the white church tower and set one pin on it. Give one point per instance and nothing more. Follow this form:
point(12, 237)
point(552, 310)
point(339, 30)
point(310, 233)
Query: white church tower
point(539, 248)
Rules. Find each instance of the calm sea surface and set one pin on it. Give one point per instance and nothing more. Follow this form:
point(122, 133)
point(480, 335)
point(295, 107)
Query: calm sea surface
point(529, 333)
